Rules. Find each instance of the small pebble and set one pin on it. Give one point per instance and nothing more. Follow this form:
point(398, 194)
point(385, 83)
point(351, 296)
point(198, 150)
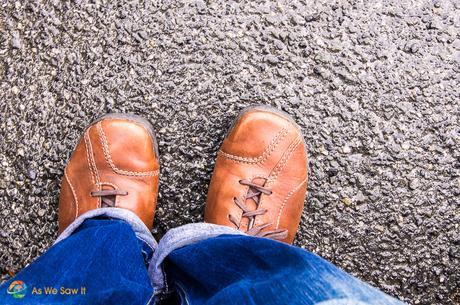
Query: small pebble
point(15, 90)
point(414, 184)
point(346, 201)
point(272, 59)
point(346, 149)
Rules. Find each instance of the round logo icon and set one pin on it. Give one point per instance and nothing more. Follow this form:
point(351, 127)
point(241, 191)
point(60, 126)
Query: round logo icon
point(17, 289)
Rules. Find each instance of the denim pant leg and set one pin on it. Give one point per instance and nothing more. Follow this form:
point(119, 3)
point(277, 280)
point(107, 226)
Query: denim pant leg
point(240, 269)
point(98, 260)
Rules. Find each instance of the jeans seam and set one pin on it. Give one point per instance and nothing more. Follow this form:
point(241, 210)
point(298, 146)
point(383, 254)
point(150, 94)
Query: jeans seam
point(165, 280)
point(150, 299)
point(137, 236)
point(179, 285)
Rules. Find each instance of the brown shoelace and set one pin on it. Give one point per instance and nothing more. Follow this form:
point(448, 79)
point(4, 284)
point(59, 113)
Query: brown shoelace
point(108, 197)
point(254, 193)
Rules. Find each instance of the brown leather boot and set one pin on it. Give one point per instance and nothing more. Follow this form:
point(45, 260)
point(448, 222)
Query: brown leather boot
point(260, 177)
point(115, 164)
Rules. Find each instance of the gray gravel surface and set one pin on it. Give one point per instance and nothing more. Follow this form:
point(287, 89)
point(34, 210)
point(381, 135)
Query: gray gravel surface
point(374, 85)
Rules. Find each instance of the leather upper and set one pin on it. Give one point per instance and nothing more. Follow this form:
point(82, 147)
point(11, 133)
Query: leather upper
point(113, 154)
point(267, 148)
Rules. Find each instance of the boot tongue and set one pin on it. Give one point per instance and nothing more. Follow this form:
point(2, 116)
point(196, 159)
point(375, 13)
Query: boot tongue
point(108, 200)
point(253, 199)
point(260, 181)
point(253, 203)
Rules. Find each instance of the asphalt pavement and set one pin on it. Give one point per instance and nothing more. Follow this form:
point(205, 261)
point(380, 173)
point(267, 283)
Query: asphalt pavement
point(373, 84)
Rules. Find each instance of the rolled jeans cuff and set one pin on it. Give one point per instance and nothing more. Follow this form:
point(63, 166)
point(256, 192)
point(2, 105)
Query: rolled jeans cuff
point(174, 239)
point(177, 238)
point(139, 228)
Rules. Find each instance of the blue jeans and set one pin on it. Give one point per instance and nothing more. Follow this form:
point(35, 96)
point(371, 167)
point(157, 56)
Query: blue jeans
point(108, 256)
